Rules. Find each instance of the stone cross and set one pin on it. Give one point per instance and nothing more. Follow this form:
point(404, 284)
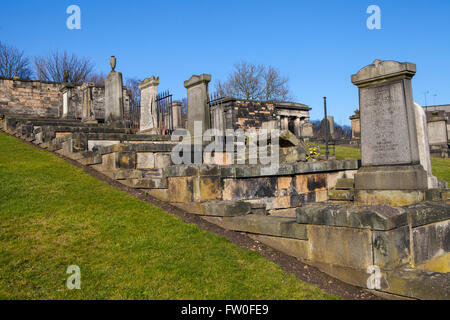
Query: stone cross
point(197, 101)
point(114, 97)
point(389, 143)
point(149, 89)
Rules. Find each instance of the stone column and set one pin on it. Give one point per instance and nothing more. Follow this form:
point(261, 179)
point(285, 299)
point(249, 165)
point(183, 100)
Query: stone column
point(197, 101)
point(87, 112)
point(114, 97)
point(284, 123)
point(389, 145)
point(298, 132)
point(149, 90)
point(176, 115)
point(67, 109)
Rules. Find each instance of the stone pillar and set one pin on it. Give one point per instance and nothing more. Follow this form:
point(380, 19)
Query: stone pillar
point(298, 132)
point(114, 97)
point(284, 123)
point(149, 90)
point(176, 115)
point(389, 145)
point(67, 109)
point(87, 111)
point(331, 126)
point(197, 102)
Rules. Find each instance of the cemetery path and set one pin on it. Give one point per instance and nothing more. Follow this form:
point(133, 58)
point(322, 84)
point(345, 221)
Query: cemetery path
point(289, 264)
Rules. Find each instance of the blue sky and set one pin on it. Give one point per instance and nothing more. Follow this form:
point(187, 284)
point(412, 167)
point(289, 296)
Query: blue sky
point(317, 44)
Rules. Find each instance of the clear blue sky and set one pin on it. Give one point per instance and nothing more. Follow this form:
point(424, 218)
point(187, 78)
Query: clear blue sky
point(317, 44)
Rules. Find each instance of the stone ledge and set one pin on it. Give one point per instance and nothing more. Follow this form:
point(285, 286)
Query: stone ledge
point(264, 225)
point(217, 208)
point(428, 212)
point(365, 217)
point(254, 171)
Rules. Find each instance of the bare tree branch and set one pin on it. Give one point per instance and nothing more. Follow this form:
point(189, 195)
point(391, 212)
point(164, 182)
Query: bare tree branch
point(13, 63)
point(51, 67)
point(255, 82)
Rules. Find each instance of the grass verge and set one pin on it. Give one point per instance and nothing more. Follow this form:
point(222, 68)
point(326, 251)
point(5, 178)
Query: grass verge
point(53, 215)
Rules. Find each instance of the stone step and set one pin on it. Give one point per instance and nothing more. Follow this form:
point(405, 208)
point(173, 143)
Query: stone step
point(341, 195)
point(345, 184)
point(146, 183)
point(127, 174)
point(152, 173)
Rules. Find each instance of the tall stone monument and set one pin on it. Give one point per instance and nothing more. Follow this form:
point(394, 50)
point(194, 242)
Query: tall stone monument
point(149, 90)
point(114, 97)
point(389, 143)
point(197, 101)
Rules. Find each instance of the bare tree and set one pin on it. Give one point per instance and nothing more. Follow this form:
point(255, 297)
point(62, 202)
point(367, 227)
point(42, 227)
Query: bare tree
point(276, 86)
point(135, 94)
point(254, 82)
point(97, 78)
point(13, 63)
point(51, 67)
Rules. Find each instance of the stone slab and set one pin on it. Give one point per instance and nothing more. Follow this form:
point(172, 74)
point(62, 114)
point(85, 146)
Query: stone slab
point(364, 217)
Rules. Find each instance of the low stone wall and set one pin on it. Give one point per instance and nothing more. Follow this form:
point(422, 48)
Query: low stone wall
point(294, 184)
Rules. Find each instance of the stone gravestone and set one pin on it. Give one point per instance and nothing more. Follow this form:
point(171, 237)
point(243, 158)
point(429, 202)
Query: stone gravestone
point(423, 145)
point(197, 102)
point(437, 128)
point(114, 97)
point(389, 144)
point(149, 89)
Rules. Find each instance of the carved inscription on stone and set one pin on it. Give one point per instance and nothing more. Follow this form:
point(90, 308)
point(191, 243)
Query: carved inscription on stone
point(384, 129)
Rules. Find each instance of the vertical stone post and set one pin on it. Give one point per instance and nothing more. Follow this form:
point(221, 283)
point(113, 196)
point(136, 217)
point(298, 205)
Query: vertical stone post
point(176, 114)
point(87, 112)
point(149, 90)
point(114, 97)
point(67, 108)
point(197, 101)
point(331, 126)
point(389, 144)
point(298, 131)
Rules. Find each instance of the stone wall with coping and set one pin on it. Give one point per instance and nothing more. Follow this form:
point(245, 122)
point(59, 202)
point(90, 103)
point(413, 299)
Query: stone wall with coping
point(42, 99)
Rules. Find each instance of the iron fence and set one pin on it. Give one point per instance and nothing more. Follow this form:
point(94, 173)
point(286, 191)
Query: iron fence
point(164, 116)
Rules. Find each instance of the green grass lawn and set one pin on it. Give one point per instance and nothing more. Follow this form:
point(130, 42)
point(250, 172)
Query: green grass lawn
point(53, 215)
point(441, 167)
